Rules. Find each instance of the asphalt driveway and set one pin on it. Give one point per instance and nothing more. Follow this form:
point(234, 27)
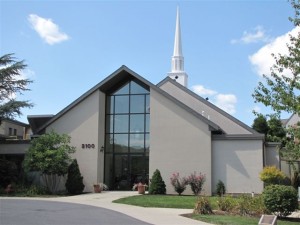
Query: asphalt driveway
point(37, 212)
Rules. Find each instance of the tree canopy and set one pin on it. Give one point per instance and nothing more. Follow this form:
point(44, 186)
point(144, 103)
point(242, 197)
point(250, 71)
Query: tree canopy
point(50, 155)
point(281, 90)
point(11, 84)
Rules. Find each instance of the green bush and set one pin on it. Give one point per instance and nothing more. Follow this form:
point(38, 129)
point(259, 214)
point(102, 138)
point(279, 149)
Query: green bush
point(250, 206)
point(74, 184)
point(280, 200)
point(157, 186)
point(220, 189)
point(203, 206)
point(35, 190)
point(226, 203)
point(8, 172)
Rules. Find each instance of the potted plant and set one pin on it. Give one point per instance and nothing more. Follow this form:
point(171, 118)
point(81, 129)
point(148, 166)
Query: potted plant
point(97, 188)
point(140, 187)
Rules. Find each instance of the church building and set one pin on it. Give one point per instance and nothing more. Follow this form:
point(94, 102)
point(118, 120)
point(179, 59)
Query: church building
point(125, 127)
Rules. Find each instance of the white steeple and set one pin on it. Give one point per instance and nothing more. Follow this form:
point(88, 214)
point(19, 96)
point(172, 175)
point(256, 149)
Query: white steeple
point(177, 67)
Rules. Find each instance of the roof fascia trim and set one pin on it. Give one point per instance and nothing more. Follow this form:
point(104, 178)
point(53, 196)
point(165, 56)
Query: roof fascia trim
point(188, 91)
point(92, 90)
point(212, 125)
point(239, 137)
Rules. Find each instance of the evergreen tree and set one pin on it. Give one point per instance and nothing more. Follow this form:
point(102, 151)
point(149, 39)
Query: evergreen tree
point(260, 124)
point(11, 84)
point(74, 184)
point(157, 186)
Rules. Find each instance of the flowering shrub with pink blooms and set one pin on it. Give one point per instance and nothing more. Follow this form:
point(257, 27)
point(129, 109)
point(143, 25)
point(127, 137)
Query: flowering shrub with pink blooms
point(178, 183)
point(196, 182)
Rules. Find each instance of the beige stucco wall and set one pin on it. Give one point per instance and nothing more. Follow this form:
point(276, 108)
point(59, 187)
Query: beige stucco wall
point(228, 125)
point(85, 124)
point(4, 129)
point(179, 142)
point(237, 163)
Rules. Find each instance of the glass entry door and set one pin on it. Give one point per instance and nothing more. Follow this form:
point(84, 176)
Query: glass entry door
point(130, 169)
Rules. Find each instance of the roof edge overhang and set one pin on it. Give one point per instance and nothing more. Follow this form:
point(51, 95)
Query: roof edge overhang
point(239, 137)
point(212, 125)
point(188, 91)
point(120, 74)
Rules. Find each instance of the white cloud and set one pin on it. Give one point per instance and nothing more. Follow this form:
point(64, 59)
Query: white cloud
point(262, 60)
point(258, 34)
point(47, 30)
point(200, 90)
point(227, 102)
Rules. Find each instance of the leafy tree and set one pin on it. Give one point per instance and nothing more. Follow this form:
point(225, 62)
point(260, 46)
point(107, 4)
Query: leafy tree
point(260, 124)
point(74, 184)
point(157, 186)
point(281, 91)
point(50, 155)
point(12, 83)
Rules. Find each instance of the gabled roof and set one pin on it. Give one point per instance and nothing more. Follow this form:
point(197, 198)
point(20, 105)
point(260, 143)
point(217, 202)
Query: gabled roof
point(124, 73)
point(209, 104)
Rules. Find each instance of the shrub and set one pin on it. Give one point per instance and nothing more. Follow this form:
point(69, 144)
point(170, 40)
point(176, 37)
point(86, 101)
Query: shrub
point(250, 206)
point(280, 200)
point(203, 206)
point(271, 175)
point(8, 172)
point(178, 183)
point(157, 186)
point(196, 182)
point(226, 203)
point(35, 190)
point(74, 184)
point(220, 189)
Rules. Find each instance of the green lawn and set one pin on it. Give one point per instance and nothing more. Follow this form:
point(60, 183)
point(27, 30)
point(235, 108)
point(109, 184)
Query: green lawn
point(188, 202)
point(160, 201)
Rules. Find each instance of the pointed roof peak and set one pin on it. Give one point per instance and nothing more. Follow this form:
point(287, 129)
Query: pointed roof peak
point(177, 43)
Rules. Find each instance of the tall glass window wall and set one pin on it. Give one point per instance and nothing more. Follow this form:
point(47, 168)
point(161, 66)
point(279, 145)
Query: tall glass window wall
point(127, 136)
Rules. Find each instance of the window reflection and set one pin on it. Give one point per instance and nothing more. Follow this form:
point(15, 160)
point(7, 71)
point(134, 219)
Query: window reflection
point(122, 104)
point(137, 123)
point(137, 103)
point(121, 143)
point(121, 123)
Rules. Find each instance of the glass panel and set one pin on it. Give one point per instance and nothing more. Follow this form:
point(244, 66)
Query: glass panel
point(121, 143)
point(109, 143)
point(110, 104)
point(147, 142)
point(136, 143)
point(108, 176)
point(147, 122)
point(121, 123)
point(122, 104)
point(147, 110)
point(137, 103)
point(109, 124)
point(137, 123)
point(123, 90)
point(122, 180)
point(138, 169)
point(137, 89)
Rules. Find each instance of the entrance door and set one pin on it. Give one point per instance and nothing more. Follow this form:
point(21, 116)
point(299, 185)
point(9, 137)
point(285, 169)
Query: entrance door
point(130, 169)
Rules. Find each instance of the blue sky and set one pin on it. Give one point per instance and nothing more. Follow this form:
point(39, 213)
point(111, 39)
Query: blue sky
point(70, 46)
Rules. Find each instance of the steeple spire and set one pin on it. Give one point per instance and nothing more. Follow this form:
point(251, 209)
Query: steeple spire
point(177, 67)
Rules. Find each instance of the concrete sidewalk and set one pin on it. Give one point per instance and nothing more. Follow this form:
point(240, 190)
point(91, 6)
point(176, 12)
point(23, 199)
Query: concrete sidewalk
point(157, 216)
